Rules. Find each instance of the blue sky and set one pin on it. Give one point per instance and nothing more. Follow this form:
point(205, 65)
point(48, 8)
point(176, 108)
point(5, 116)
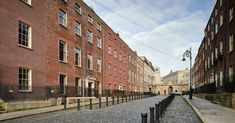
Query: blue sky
point(161, 30)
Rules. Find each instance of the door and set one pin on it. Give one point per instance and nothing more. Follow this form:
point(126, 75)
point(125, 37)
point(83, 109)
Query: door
point(89, 89)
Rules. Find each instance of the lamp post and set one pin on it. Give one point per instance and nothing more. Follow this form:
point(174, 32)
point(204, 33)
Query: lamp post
point(188, 53)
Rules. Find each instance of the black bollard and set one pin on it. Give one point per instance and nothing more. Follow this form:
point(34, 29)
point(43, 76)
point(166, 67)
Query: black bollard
point(129, 98)
point(78, 101)
point(99, 102)
point(126, 98)
point(157, 112)
point(107, 101)
point(144, 117)
point(122, 99)
point(151, 114)
point(132, 97)
point(90, 104)
point(113, 100)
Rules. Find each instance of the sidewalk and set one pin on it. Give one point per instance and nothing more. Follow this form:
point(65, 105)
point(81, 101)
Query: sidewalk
point(211, 113)
point(179, 112)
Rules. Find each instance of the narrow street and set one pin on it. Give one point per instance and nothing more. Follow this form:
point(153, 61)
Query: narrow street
point(178, 111)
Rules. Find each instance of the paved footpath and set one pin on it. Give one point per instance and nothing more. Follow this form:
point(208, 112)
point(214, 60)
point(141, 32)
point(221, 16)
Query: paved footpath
point(120, 113)
point(212, 113)
point(179, 111)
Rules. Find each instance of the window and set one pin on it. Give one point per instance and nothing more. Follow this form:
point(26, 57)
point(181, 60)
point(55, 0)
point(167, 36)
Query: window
point(62, 18)
point(90, 19)
point(208, 60)
point(109, 50)
point(62, 82)
point(78, 28)
point(115, 53)
point(90, 36)
point(212, 20)
point(77, 8)
point(27, 1)
point(129, 74)
point(129, 58)
point(216, 53)
point(230, 73)
point(89, 62)
point(216, 12)
point(221, 78)
point(25, 79)
point(78, 86)
point(99, 27)
point(98, 42)
point(25, 33)
point(221, 47)
point(109, 36)
point(62, 51)
point(212, 58)
point(124, 59)
point(120, 57)
point(230, 14)
point(205, 65)
point(216, 28)
point(115, 70)
point(98, 65)
point(221, 19)
point(230, 43)
point(78, 57)
point(109, 69)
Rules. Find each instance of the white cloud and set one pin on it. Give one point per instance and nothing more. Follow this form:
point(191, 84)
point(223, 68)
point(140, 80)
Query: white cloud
point(152, 27)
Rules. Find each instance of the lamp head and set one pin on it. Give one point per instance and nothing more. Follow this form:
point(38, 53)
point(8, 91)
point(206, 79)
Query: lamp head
point(183, 59)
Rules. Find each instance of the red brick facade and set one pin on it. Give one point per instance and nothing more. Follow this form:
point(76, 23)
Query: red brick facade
point(215, 62)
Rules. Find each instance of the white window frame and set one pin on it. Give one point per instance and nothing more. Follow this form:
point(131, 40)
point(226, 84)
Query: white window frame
point(109, 68)
point(78, 9)
point(90, 36)
point(216, 28)
point(77, 55)
point(62, 22)
point(98, 65)
point(221, 47)
point(109, 50)
point(230, 73)
point(90, 19)
point(221, 20)
point(28, 79)
point(78, 28)
point(28, 36)
point(230, 14)
point(29, 2)
point(221, 78)
point(64, 52)
point(89, 59)
point(98, 42)
point(231, 43)
point(99, 26)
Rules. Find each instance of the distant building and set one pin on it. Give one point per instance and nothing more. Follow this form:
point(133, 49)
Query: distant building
point(177, 81)
point(148, 75)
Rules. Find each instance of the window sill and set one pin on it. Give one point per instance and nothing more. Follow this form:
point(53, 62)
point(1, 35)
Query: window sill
point(64, 26)
point(64, 62)
point(78, 35)
point(25, 91)
point(30, 5)
point(78, 66)
point(25, 47)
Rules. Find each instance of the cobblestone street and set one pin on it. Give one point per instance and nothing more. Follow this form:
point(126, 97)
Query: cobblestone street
point(120, 113)
point(179, 112)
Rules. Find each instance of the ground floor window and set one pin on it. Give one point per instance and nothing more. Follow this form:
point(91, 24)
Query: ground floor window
point(62, 82)
point(25, 79)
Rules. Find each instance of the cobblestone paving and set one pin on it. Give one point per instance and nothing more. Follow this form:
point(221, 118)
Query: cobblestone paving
point(179, 112)
point(128, 112)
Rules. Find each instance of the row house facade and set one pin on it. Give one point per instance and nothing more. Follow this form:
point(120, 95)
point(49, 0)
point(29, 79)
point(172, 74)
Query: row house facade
point(53, 48)
point(148, 75)
point(116, 63)
point(215, 62)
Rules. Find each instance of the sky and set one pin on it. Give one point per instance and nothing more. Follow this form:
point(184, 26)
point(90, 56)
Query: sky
point(160, 30)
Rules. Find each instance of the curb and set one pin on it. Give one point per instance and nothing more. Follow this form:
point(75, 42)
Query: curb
point(199, 114)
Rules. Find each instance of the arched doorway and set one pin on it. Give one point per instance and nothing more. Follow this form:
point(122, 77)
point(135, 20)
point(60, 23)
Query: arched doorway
point(170, 89)
point(89, 85)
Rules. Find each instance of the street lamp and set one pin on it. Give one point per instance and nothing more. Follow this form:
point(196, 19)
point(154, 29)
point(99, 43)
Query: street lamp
point(188, 53)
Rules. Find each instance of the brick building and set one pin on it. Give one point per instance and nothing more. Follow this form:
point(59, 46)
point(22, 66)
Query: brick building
point(214, 65)
point(54, 48)
point(116, 63)
point(50, 48)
